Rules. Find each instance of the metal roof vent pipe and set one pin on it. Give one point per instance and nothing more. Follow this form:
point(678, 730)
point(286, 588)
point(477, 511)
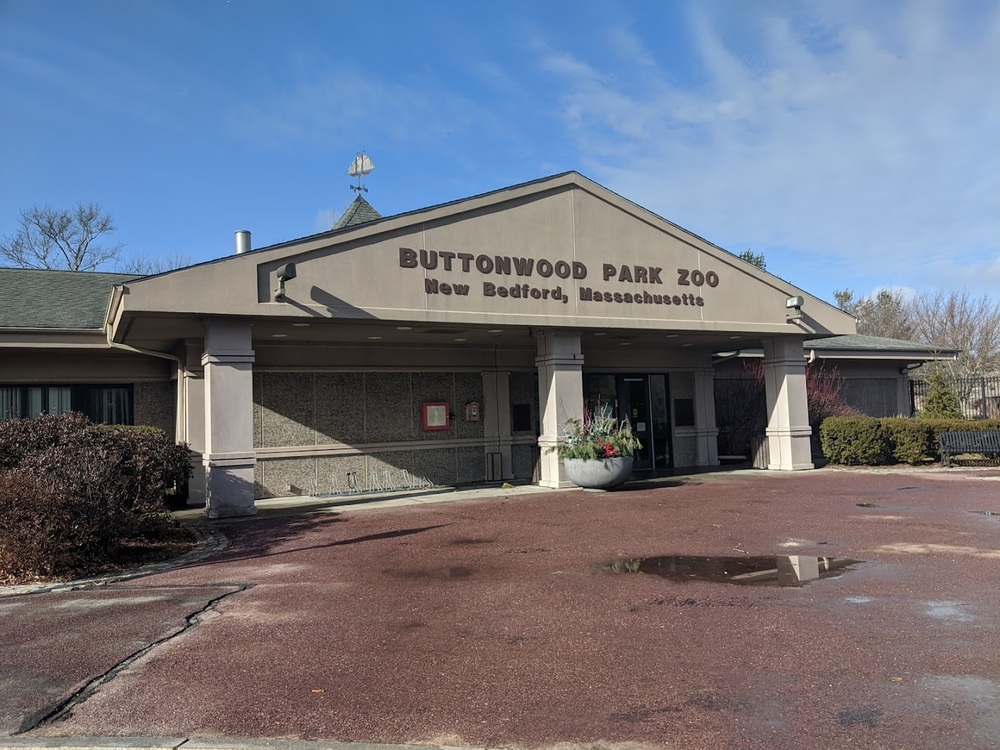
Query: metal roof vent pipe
point(242, 241)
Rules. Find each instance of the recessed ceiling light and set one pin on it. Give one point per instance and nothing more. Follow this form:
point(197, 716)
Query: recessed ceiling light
point(600, 333)
point(279, 335)
point(374, 338)
point(672, 335)
point(495, 330)
point(685, 344)
point(459, 339)
point(301, 325)
point(735, 337)
point(626, 343)
point(404, 328)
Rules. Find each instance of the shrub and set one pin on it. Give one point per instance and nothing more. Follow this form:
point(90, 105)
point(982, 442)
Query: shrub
point(873, 441)
point(82, 487)
point(940, 401)
point(46, 531)
point(823, 389)
point(855, 441)
point(20, 438)
point(912, 440)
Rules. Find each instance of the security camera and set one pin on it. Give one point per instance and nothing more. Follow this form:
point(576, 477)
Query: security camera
point(792, 303)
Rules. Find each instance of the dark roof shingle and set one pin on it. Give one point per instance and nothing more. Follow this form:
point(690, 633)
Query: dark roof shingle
point(70, 300)
point(857, 341)
point(359, 212)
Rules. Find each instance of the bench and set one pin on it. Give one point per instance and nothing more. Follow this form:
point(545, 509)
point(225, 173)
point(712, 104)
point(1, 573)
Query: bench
point(984, 442)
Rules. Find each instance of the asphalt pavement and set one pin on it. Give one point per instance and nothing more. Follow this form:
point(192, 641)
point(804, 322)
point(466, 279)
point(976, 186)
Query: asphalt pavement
point(521, 618)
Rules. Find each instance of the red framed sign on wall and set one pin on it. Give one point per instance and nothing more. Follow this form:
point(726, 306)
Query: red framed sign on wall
point(435, 415)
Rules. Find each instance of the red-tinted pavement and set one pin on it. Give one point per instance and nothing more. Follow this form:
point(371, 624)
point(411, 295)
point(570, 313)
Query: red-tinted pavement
point(52, 646)
point(495, 623)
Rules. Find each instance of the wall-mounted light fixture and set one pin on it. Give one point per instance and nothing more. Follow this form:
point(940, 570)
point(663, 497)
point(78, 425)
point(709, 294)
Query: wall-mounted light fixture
point(793, 307)
point(285, 273)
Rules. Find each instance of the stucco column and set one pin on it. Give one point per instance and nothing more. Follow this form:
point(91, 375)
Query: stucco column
point(496, 422)
point(192, 408)
point(788, 428)
point(560, 398)
point(229, 456)
point(706, 431)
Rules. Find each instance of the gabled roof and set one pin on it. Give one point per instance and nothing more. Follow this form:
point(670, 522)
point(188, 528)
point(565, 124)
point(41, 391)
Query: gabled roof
point(359, 212)
point(357, 272)
point(57, 300)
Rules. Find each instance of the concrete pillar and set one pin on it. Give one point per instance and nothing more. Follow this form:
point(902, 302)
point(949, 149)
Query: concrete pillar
point(496, 423)
point(560, 398)
point(192, 377)
point(706, 430)
point(229, 456)
point(788, 428)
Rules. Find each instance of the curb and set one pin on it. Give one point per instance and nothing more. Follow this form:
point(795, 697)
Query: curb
point(209, 541)
point(220, 743)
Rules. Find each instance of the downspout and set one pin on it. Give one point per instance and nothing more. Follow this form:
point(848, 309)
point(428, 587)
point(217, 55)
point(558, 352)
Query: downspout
point(180, 424)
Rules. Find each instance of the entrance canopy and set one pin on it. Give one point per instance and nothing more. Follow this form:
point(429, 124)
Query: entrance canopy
point(561, 252)
point(323, 359)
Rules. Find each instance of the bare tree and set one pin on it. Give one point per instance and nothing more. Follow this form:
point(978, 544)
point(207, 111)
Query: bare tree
point(886, 313)
point(148, 266)
point(957, 320)
point(63, 239)
point(944, 320)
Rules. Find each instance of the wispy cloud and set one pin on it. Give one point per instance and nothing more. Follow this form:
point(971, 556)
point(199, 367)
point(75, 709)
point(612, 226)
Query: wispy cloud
point(836, 137)
point(329, 101)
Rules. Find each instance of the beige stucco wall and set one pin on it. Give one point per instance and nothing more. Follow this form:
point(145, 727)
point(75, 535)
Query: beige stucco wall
point(29, 366)
point(553, 246)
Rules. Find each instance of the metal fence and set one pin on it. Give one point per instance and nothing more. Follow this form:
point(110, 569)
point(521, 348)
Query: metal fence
point(978, 397)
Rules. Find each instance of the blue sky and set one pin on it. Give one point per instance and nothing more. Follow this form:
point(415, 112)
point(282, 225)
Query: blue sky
point(855, 144)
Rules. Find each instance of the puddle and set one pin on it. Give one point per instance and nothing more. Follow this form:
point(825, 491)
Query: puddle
point(780, 570)
point(948, 611)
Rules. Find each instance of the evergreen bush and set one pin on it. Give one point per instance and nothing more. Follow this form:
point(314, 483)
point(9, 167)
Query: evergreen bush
point(940, 402)
point(912, 440)
point(873, 441)
point(855, 441)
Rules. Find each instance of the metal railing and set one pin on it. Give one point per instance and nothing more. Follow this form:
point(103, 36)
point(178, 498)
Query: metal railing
point(979, 398)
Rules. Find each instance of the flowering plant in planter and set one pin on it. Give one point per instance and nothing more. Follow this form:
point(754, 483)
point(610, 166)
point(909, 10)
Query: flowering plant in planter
point(597, 436)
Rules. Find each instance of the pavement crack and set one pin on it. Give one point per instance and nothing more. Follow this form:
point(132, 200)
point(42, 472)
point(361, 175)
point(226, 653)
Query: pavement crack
point(64, 708)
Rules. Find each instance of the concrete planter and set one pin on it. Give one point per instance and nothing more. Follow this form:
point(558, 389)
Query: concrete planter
point(599, 473)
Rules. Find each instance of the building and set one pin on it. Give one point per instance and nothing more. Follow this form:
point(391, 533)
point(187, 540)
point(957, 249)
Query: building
point(446, 345)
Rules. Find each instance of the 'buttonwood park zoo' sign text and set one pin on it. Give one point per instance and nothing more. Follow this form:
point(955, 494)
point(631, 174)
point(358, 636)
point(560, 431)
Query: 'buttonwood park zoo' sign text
point(539, 279)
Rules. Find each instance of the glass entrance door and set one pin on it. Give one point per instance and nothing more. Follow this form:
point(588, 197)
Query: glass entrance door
point(642, 401)
point(633, 407)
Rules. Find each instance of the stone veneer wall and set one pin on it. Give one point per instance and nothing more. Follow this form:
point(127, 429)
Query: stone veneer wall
point(875, 397)
point(312, 429)
point(155, 404)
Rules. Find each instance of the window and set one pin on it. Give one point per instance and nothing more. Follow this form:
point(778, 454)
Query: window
point(104, 404)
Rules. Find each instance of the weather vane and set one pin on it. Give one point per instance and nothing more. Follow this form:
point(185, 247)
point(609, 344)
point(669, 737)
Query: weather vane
point(361, 166)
